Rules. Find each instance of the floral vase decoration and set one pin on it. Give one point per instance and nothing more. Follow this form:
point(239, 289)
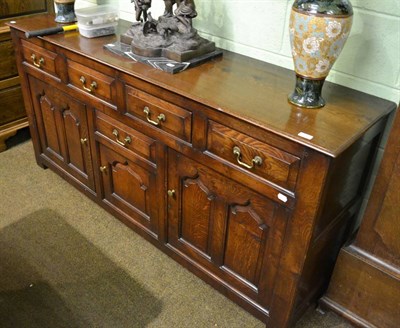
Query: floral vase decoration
point(65, 11)
point(318, 31)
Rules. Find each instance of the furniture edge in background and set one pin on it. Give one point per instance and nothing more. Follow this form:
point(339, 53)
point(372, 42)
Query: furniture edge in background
point(12, 110)
point(365, 286)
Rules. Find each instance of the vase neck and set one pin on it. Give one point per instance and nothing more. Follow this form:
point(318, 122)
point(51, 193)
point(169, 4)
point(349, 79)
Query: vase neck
point(324, 7)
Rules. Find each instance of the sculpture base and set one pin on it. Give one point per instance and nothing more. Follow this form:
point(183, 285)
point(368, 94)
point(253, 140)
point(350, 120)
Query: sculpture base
point(307, 93)
point(173, 54)
point(180, 47)
point(161, 63)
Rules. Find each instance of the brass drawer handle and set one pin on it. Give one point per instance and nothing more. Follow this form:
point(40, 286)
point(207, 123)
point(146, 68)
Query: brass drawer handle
point(37, 64)
point(255, 161)
point(84, 141)
point(160, 118)
point(171, 193)
point(92, 87)
point(126, 141)
point(103, 169)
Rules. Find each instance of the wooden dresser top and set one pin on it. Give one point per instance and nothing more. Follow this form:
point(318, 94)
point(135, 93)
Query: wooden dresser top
point(245, 88)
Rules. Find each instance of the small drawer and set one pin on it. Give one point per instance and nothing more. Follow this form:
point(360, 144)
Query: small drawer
point(266, 161)
point(124, 136)
point(159, 113)
point(39, 57)
point(91, 81)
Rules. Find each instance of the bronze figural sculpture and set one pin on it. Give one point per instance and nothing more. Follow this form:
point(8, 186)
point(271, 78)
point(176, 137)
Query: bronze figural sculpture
point(141, 7)
point(169, 5)
point(171, 36)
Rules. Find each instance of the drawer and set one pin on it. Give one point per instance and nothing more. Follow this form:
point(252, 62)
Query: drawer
point(39, 57)
point(11, 104)
point(16, 9)
point(91, 81)
point(8, 65)
point(124, 137)
point(266, 161)
point(159, 113)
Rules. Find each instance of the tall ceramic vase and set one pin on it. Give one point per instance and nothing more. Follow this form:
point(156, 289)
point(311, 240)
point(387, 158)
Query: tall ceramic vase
point(318, 32)
point(65, 11)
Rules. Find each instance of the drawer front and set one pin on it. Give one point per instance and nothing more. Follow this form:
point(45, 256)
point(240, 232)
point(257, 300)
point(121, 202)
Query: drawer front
point(124, 137)
point(266, 161)
point(91, 81)
point(12, 8)
point(39, 57)
point(159, 113)
point(11, 104)
point(8, 65)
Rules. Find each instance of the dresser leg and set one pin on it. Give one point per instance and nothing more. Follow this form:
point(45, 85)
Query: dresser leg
point(4, 137)
point(9, 130)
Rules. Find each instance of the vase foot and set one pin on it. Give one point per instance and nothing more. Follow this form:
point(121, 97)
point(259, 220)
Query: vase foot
point(306, 103)
point(307, 93)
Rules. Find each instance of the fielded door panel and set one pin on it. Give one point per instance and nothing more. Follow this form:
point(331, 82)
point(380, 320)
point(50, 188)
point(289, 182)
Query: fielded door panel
point(63, 130)
point(228, 229)
point(129, 188)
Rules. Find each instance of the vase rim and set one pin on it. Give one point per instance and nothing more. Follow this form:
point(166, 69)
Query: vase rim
point(64, 1)
point(324, 7)
point(305, 12)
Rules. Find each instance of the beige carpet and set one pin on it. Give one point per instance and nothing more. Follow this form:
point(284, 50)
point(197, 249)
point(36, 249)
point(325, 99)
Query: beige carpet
point(65, 262)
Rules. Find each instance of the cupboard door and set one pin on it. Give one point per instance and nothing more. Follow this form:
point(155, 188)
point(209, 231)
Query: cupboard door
point(129, 188)
point(229, 230)
point(63, 130)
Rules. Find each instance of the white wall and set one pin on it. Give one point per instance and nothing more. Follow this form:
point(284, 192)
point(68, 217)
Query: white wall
point(84, 3)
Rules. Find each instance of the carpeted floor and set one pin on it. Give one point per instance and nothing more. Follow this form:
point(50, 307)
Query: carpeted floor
point(65, 262)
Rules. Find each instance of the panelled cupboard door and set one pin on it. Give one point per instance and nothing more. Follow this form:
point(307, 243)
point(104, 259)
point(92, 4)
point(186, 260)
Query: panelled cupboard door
point(63, 130)
point(129, 188)
point(230, 230)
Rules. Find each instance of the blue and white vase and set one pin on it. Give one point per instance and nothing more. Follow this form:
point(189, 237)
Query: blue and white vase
point(318, 31)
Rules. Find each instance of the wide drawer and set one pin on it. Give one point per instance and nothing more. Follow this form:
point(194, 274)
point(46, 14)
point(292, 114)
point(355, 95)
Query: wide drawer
point(159, 113)
point(266, 161)
point(91, 81)
point(39, 57)
point(8, 65)
point(11, 104)
point(124, 137)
